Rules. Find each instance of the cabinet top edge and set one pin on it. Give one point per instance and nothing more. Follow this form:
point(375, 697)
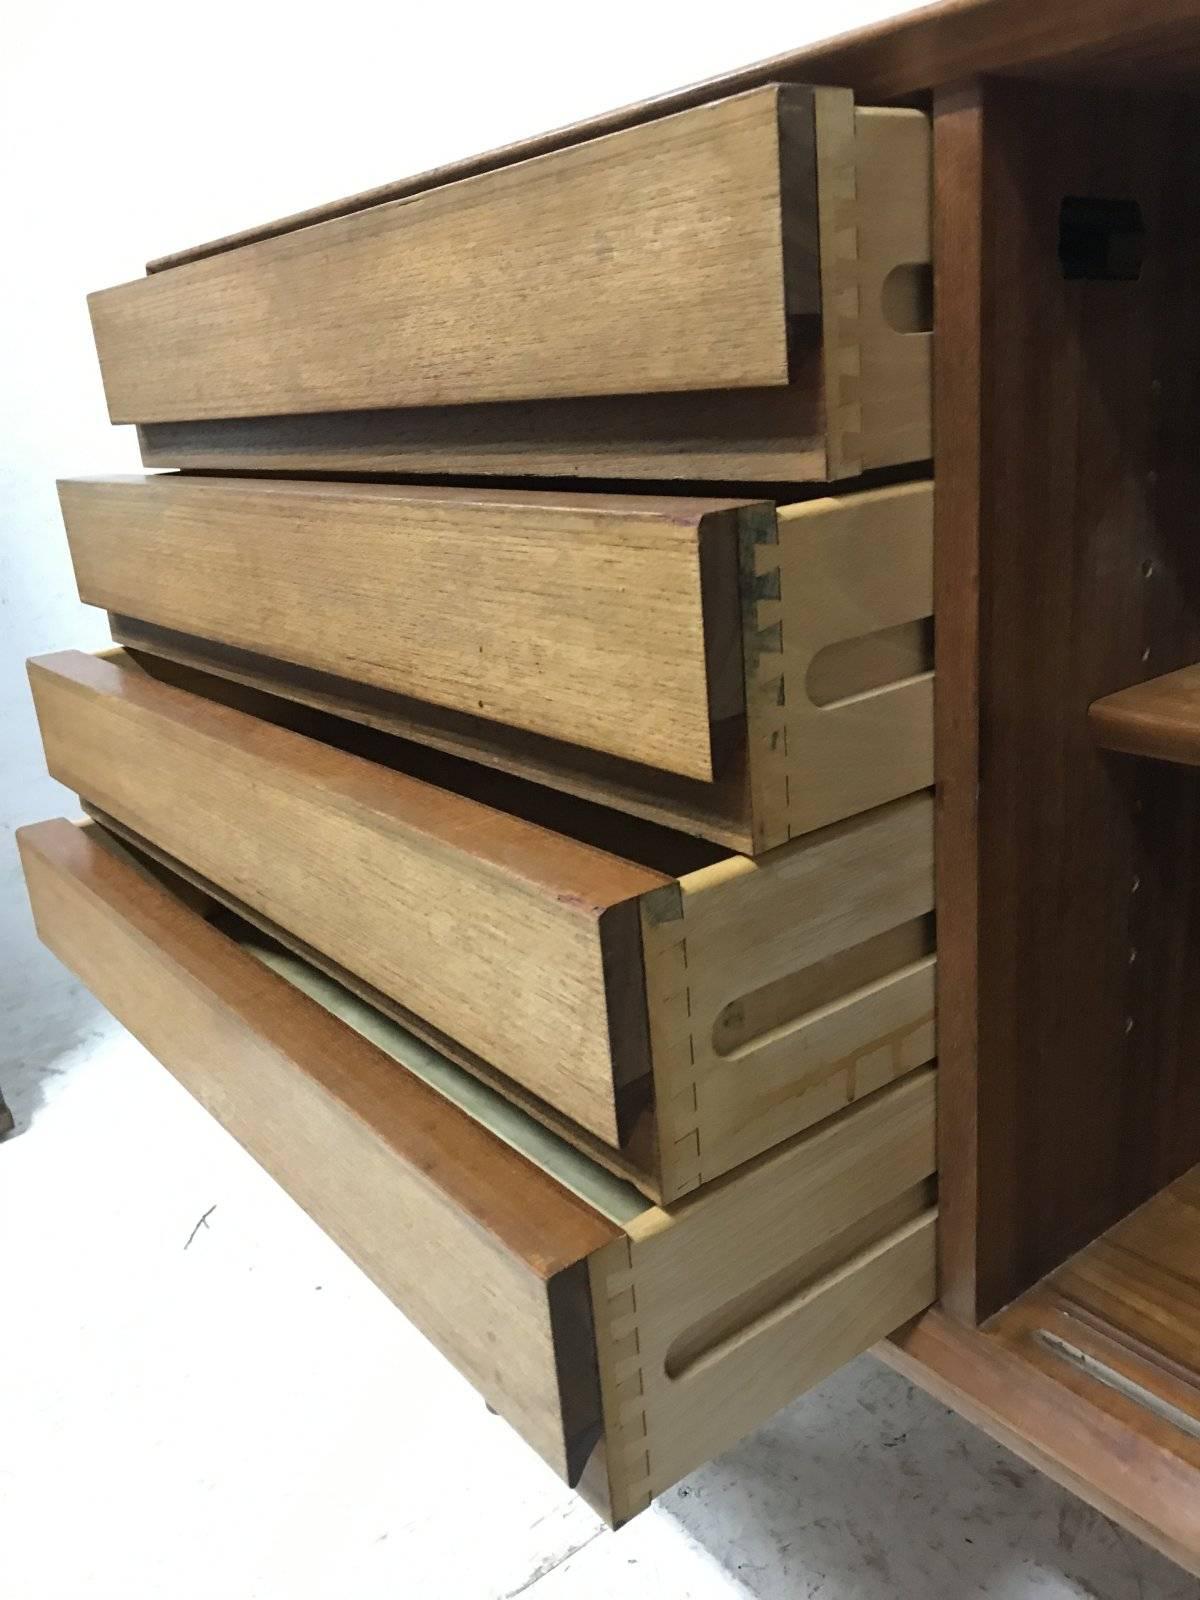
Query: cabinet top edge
point(901, 59)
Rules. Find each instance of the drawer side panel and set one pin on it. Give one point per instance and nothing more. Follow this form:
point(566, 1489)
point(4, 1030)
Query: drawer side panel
point(713, 1316)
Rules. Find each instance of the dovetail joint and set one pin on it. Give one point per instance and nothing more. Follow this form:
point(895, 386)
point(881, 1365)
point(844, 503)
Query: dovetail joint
point(841, 307)
point(681, 1116)
point(623, 1386)
point(765, 688)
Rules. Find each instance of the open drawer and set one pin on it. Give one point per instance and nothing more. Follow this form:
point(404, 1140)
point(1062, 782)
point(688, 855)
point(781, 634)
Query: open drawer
point(775, 666)
point(676, 1008)
point(738, 291)
point(627, 1344)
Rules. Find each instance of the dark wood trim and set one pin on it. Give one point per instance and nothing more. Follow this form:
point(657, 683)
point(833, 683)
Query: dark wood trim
point(958, 257)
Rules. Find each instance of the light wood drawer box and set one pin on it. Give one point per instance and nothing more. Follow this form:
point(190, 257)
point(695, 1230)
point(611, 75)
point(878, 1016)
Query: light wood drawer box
point(675, 1008)
point(773, 664)
point(626, 1344)
point(738, 291)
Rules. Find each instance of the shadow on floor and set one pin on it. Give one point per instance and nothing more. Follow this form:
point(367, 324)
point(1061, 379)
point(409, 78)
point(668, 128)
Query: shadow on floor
point(868, 1487)
point(39, 1039)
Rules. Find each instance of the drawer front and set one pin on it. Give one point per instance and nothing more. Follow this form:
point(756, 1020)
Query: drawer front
point(481, 1249)
point(667, 1333)
point(735, 293)
point(610, 621)
point(521, 944)
point(666, 257)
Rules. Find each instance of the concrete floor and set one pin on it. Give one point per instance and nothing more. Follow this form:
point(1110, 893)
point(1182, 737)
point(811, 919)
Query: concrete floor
point(202, 1397)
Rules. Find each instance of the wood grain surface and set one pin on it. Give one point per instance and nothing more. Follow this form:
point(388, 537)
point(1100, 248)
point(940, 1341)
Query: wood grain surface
point(608, 621)
point(520, 942)
point(483, 1251)
point(646, 262)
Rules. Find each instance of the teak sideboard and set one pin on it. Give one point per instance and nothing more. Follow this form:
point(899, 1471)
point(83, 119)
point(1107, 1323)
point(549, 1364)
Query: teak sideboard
point(648, 766)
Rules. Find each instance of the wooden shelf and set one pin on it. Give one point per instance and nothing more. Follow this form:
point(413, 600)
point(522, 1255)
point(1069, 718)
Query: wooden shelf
point(1094, 1374)
point(1159, 719)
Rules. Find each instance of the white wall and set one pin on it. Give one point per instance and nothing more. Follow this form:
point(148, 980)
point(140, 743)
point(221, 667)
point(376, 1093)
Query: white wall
point(130, 129)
